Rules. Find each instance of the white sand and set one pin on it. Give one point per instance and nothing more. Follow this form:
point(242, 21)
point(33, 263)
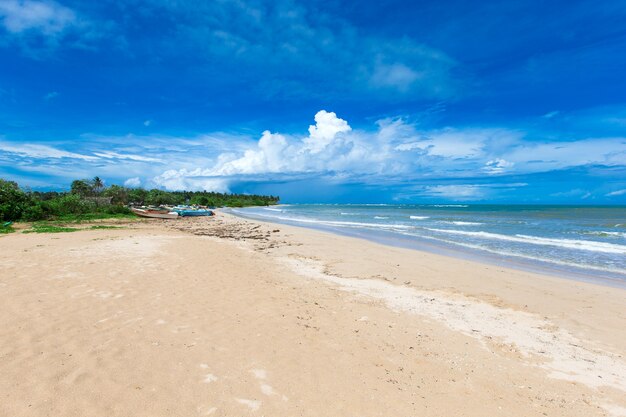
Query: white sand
point(228, 317)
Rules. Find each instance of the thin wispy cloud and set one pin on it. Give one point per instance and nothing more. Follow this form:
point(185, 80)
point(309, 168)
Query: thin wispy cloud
point(551, 114)
point(115, 155)
point(39, 151)
point(39, 28)
point(51, 95)
point(616, 193)
point(467, 192)
point(497, 166)
point(47, 17)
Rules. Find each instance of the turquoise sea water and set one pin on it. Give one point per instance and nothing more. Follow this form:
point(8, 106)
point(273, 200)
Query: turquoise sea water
point(581, 242)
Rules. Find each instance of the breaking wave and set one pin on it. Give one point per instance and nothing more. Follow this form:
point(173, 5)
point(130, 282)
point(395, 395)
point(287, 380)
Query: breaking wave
point(588, 245)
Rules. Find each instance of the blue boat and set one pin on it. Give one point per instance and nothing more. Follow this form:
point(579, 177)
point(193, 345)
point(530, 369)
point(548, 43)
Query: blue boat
point(187, 211)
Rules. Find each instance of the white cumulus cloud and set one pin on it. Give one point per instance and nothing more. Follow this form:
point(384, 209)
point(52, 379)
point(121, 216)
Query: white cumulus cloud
point(327, 126)
point(276, 154)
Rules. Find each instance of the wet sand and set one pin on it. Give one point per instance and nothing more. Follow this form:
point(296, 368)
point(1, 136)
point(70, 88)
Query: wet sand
point(230, 317)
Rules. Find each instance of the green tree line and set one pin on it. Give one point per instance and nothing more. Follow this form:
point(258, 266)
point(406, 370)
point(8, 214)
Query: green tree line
point(90, 197)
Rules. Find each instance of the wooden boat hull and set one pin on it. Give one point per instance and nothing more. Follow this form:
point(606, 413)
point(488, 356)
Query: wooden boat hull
point(155, 214)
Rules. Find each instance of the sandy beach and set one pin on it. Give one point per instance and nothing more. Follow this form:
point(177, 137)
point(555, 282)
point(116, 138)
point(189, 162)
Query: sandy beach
point(230, 317)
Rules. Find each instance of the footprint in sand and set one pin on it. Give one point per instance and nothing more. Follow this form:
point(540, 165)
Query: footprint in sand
point(254, 405)
point(206, 411)
point(266, 389)
point(259, 373)
point(208, 378)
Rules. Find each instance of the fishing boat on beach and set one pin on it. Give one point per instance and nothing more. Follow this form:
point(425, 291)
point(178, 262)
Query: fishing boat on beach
point(155, 213)
point(189, 211)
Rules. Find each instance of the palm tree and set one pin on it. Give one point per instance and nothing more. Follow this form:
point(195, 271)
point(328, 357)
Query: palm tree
point(98, 184)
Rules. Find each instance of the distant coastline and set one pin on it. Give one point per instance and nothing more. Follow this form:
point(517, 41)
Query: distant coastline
point(92, 198)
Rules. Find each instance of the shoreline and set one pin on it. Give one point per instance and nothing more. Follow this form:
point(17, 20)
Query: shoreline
point(511, 260)
point(228, 316)
point(310, 237)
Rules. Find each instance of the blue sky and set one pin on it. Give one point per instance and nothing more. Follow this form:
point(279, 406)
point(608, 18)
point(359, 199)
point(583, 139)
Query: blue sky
point(319, 101)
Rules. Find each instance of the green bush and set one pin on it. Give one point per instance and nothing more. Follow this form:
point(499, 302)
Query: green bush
point(157, 197)
point(34, 212)
point(201, 200)
point(13, 201)
point(136, 196)
point(69, 204)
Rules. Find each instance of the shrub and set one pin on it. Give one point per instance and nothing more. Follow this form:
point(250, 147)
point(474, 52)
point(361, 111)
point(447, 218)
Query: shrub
point(33, 212)
point(83, 188)
point(69, 204)
point(13, 201)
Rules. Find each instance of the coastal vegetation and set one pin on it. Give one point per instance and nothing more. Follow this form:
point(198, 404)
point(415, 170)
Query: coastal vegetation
point(92, 200)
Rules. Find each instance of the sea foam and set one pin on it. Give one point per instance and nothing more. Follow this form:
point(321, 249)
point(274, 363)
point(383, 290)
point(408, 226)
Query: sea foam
point(272, 209)
point(340, 223)
point(459, 223)
point(588, 245)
